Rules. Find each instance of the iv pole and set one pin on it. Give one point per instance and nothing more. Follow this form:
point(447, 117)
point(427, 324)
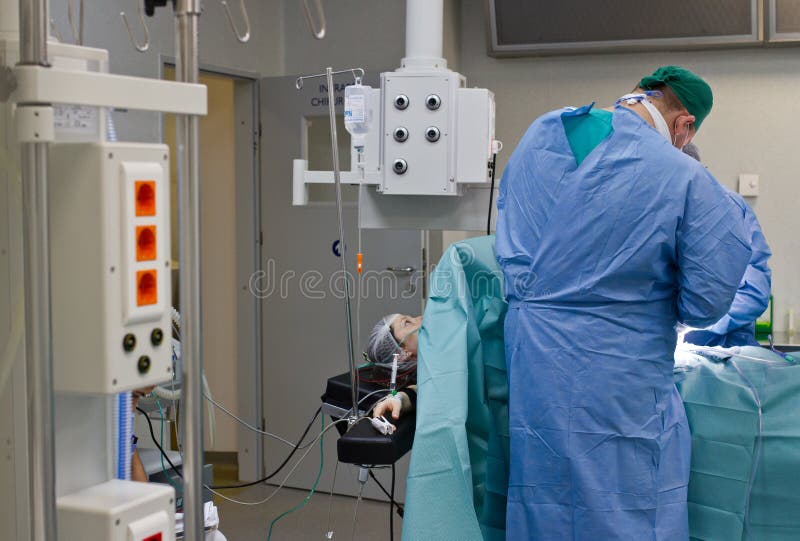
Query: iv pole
point(187, 15)
point(329, 73)
point(33, 22)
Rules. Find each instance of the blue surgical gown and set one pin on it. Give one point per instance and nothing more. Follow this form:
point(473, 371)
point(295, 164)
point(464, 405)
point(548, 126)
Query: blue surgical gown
point(601, 260)
point(738, 326)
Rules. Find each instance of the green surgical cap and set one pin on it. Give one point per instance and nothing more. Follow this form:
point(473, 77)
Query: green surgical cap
point(694, 92)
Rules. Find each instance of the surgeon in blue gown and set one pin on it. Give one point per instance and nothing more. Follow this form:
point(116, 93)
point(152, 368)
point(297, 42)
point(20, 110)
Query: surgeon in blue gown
point(738, 326)
point(608, 236)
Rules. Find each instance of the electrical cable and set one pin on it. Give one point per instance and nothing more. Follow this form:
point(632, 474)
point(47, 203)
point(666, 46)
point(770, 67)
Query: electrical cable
point(399, 507)
point(153, 435)
point(161, 442)
point(295, 447)
point(313, 487)
point(291, 472)
point(491, 196)
point(176, 409)
point(223, 496)
point(211, 416)
point(247, 425)
point(282, 465)
point(391, 510)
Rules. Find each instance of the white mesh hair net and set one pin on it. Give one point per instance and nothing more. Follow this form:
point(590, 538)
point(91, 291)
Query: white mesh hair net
point(381, 343)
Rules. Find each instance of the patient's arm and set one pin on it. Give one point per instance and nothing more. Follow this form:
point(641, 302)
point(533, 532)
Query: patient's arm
point(137, 469)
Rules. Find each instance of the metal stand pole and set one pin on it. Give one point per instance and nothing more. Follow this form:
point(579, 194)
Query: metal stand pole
point(187, 14)
point(338, 182)
point(38, 334)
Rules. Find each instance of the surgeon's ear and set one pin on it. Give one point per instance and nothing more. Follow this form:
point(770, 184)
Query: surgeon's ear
point(690, 120)
point(684, 130)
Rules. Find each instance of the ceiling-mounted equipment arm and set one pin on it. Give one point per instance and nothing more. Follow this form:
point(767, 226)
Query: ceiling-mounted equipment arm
point(318, 33)
point(146, 45)
point(241, 37)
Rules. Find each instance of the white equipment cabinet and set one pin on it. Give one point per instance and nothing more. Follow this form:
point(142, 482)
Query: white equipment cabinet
point(111, 285)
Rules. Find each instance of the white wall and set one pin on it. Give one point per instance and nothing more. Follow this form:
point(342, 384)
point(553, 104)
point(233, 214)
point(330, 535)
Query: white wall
point(752, 129)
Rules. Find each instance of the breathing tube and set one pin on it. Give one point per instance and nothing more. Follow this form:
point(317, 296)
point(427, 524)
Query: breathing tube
point(123, 424)
point(123, 402)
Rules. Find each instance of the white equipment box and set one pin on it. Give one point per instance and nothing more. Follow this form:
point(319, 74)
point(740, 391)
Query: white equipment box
point(110, 261)
point(118, 511)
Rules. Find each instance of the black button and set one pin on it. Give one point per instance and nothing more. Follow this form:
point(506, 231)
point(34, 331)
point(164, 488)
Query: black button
point(129, 342)
point(156, 337)
point(144, 364)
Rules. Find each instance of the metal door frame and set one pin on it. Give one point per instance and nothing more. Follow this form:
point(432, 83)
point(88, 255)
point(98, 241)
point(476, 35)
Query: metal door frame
point(250, 402)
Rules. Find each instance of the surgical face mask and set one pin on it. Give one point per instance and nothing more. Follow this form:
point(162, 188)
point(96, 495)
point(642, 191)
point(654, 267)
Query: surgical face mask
point(658, 118)
point(410, 333)
point(404, 353)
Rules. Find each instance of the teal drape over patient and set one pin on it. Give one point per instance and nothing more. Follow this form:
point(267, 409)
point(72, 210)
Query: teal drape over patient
point(457, 481)
point(743, 487)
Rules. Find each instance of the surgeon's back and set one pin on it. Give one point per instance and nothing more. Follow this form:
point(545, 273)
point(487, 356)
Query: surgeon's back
point(603, 252)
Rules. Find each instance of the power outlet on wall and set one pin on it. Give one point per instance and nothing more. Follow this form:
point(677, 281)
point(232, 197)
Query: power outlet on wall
point(748, 185)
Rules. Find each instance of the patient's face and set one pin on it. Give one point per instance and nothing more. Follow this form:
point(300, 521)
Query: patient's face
point(403, 329)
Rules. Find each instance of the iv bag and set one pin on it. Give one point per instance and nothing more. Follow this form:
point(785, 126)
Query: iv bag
point(357, 114)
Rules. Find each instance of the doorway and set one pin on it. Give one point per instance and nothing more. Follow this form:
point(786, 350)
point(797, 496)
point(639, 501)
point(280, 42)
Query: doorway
point(230, 254)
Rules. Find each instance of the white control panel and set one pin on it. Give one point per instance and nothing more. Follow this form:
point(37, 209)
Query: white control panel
point(110, 260)
point(418, 119)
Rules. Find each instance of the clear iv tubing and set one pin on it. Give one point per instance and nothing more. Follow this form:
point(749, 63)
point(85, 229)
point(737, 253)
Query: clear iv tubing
point(355, 511)
point(329, 530)
point(393, 380)
point(286, 479)
point(358, 289)
point(717, 350)
point(349, 412)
